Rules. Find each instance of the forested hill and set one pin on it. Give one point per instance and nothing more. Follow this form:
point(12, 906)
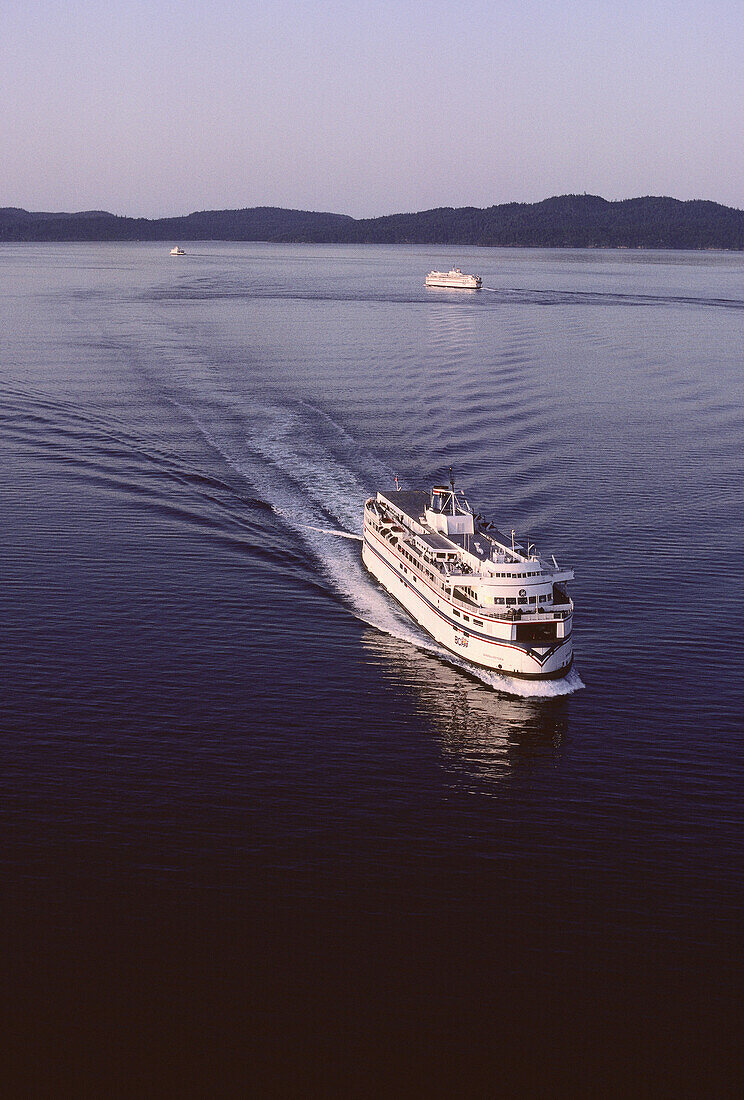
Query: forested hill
point(566, 221)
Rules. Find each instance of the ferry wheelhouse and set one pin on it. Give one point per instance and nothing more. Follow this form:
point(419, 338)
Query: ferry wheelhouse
point(454, 278)
point(479, 593)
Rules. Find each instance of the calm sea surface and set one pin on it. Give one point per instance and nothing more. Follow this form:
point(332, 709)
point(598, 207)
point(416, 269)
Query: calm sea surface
point(250, 812)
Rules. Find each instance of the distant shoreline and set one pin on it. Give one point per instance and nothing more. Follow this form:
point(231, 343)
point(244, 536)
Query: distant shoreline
point(388, 244)
point(565, 221)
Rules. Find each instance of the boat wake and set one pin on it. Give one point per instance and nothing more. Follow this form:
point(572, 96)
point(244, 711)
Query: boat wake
point(531, 689)
point(300, 461)
point(532, 296)
point(336, 534)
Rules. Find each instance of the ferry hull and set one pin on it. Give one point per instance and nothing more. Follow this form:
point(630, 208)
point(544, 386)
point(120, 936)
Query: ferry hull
point(431, 612)
point(453, 284)
point(453, 278)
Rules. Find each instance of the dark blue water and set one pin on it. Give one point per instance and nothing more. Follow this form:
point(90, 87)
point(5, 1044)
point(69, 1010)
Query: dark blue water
point(254, 822)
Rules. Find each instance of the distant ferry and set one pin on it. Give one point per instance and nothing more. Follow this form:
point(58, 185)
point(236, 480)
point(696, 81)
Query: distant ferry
point(477, 592)
point(454, 278)
point(177, 251)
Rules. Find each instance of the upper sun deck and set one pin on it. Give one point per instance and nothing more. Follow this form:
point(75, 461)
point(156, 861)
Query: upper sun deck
point(475, 547)
point(456, 529)
point(474, 570)
point(409, 503)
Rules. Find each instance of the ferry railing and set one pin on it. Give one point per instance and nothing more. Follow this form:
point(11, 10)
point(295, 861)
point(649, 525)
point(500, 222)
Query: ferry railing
point(540, 612)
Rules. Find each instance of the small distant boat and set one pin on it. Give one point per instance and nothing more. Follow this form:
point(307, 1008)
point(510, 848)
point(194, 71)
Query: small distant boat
point(177, 251)
point(454, 278)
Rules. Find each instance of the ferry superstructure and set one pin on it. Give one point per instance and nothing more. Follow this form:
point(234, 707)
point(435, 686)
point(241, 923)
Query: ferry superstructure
point(454, 278)
point(477, 592)
point(177, 251)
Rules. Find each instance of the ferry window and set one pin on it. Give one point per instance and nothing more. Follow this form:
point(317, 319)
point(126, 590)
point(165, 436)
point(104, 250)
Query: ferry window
point(457, 612)
point(533, 599)
point(549, 598)
point(478, 622)
point(466, 618)
point(510, 599)
point(542, 599)
point(498, 599)
point(523, 599)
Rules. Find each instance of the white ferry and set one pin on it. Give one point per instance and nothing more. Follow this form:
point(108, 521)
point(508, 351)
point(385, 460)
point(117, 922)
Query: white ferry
point(477, 592)
point(177, 251)
point(454, 278)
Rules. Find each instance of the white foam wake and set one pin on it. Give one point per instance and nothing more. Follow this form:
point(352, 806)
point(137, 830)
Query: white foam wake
point(286, 460)
point(329, 531)
point(531, 689)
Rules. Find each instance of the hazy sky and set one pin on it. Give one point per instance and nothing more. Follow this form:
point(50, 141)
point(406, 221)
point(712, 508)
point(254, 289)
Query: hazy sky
point(153, 107)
